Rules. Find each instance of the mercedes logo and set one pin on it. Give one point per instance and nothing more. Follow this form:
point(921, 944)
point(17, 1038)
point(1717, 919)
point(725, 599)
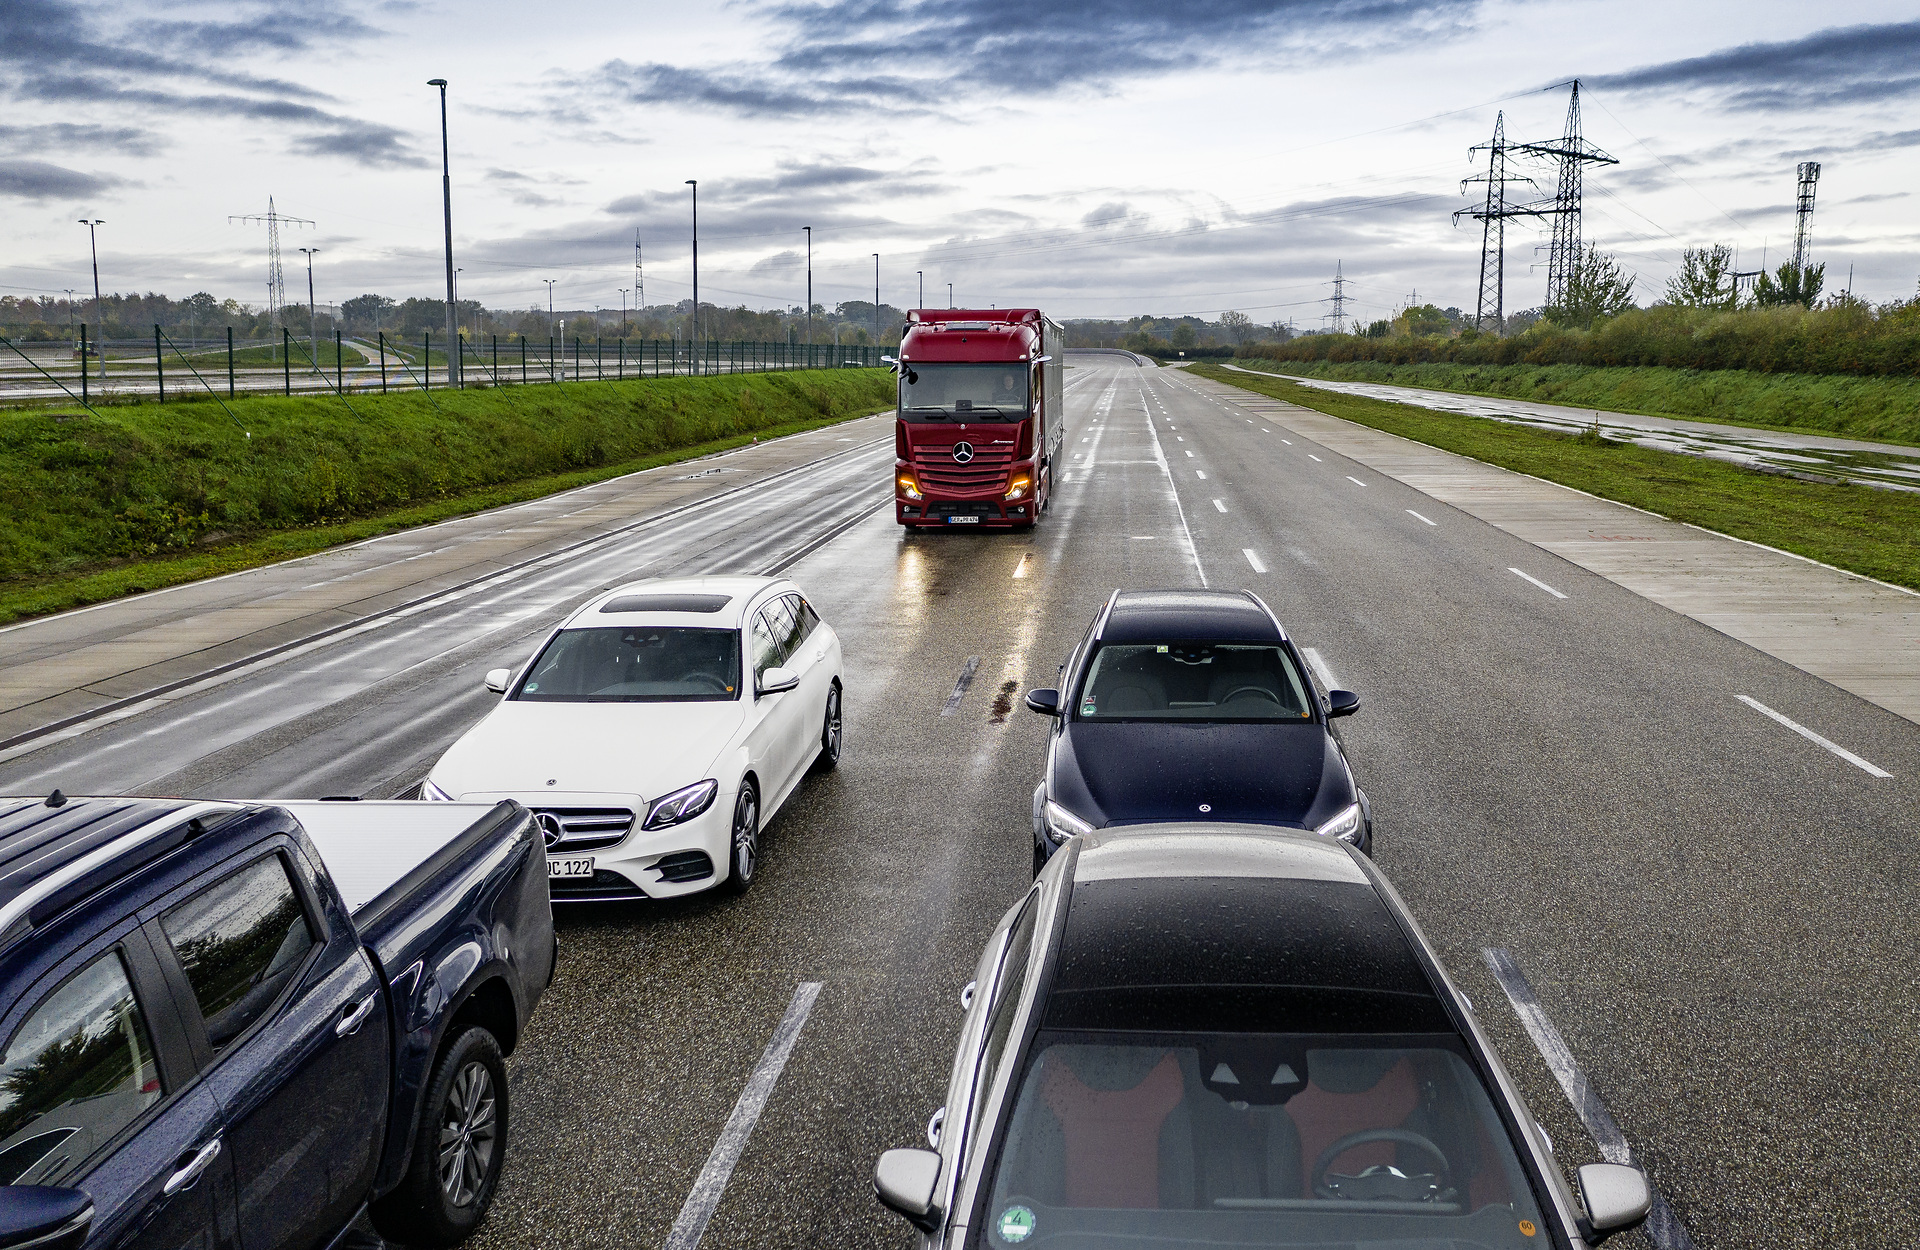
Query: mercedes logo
point(550, 830)
point(962, 452)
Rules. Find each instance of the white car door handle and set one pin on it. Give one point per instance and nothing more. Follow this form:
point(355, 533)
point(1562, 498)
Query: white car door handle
point(186, 1176)
point(357, 1014)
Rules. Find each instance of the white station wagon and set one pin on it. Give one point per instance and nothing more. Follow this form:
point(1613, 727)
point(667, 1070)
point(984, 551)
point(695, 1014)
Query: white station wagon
point(656, 731)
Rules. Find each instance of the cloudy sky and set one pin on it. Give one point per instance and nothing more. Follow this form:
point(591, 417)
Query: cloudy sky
point(1097, 160)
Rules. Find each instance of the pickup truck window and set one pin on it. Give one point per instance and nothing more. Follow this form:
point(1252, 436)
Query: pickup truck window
point(240, 941)
point(78, 1070)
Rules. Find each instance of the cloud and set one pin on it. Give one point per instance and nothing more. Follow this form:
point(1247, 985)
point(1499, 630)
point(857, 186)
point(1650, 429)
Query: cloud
point(1837, 66)
point(840, 57)
point(67, 136)
point(38, 180)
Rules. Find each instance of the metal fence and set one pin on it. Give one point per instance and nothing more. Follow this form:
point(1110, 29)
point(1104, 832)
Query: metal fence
point(87, 369)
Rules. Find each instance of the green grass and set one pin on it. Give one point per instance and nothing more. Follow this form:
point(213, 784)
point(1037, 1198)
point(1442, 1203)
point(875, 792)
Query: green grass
point(1886, 409)
point(146, 495)
point(1875, 532)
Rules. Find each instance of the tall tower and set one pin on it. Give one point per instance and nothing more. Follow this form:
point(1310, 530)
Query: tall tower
point(1809, 172)
point(1339, 314)
point(276, 280)
point(1492, 217)
point(639, 271)
point(1574, 154)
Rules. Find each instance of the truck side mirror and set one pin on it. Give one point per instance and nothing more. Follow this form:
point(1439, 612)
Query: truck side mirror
point(1044, 701)
point(903, 1181)
point(497, 679)
point(1617, 1198)
point(44, 1217)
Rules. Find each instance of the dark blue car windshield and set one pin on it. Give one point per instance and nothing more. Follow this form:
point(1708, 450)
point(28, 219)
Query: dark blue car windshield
point(1178, 681)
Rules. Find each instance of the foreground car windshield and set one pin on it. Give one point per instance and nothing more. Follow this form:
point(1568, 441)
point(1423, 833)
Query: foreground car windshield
point(1255, 1140)
point(635, 665)
point(1192, 681)
point(948, 392)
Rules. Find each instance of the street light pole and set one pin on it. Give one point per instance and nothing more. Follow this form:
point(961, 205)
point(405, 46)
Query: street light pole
point(695, 336)
point(549, 282)
point(809, 230)
point(949, 295)
point(876, 301)
point(99, 343)
point(313, 313)
point(446, 203)
point(923, 288)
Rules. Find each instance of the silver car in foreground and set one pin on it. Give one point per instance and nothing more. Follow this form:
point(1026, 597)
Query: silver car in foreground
point(1228, 1035)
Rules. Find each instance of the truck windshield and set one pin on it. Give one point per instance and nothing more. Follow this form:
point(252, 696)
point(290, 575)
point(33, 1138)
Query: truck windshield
point(994, 392)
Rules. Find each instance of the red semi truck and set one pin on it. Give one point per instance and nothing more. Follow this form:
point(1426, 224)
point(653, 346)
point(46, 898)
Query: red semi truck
point(981, 418)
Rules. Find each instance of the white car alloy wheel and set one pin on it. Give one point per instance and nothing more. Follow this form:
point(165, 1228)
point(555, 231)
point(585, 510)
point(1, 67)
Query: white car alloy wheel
point(832, 733)
point(744, 849)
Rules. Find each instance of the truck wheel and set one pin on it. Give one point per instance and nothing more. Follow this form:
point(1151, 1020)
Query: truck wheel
point(458, 1150)
point(744, 842)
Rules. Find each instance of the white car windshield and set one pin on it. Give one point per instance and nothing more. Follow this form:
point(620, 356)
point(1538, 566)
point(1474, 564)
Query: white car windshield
point(635, 664)
point(1256, 1140)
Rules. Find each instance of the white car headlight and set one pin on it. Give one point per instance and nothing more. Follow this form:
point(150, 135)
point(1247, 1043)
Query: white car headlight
point(1063, 824)
point(1345, 825)
point(681, 805)
point(434, 793)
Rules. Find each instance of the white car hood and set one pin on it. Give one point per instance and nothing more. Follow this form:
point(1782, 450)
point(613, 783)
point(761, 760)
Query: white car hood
point(642, 749)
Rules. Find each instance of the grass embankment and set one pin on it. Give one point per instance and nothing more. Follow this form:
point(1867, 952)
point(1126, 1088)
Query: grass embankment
point(146, 495)
point(1875, 532)
point(1873, 408)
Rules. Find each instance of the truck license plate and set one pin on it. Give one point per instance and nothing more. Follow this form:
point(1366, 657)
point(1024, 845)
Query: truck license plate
point(963, 520)
point(581, 866)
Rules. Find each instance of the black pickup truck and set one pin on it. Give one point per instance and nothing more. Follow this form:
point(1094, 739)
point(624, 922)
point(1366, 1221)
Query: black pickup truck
point(243, 1026)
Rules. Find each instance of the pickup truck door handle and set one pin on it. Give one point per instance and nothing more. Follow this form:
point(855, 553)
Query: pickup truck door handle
point(186, 1176)
point(356, 1015)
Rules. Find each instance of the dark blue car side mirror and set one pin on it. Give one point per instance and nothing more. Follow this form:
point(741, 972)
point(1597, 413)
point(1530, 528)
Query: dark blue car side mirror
point(43, 1217)
point(1339, 703)
point(1044, 701)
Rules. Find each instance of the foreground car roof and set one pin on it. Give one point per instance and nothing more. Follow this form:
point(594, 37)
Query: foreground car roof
point(713, 602)
point(1188, 616)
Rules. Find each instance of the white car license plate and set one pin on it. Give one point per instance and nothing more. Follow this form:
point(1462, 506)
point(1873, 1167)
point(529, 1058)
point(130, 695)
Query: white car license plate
point(578, 866)
point(963, 520)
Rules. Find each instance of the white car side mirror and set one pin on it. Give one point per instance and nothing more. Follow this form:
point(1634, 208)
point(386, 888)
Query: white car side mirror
point(904, 1181)
point(1617, 1198)
point(497, 679)
point(775, 680)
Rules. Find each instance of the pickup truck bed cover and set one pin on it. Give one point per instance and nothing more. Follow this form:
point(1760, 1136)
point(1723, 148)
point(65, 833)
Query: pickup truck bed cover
point(367, 855)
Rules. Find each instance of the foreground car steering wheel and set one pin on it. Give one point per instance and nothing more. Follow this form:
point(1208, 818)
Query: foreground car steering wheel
point(1376, 1182)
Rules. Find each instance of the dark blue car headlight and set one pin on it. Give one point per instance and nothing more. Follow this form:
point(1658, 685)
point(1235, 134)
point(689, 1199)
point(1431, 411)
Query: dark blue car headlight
point(1062, 824)
point(1346, 825)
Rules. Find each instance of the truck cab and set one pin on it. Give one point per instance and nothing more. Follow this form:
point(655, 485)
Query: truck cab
point(981, 417)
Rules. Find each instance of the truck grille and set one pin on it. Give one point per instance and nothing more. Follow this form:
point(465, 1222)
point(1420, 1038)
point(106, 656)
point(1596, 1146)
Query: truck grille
point(940, 474)
point(582, 828)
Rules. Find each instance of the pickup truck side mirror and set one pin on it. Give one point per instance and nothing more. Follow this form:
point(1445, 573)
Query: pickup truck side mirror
point(1617, 1199)
point(1044, 701)
point(776, 680)
point(497, 679)
point(903, 1181)
point(1342, 703)
point(44, 1217)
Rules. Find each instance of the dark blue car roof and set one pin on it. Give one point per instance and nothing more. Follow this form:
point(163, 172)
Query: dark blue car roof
point(1188, 616)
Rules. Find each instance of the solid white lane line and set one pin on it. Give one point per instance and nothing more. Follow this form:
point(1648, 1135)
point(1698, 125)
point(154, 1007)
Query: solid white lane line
point(1663, 1227)
point(1253, 559)
point(712, 1181)
point(1536, 581)
point(1356, 481)
point(1220, 504)
point(1810, 736)
point(1311, 456)
point(967, 671)
point(1321, 669)
point(1416, 516)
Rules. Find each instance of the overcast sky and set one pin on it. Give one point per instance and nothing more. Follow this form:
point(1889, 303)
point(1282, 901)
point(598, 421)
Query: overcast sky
point(1097, 160)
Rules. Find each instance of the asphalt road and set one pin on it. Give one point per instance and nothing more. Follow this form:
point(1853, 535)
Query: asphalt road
point(1713, 910)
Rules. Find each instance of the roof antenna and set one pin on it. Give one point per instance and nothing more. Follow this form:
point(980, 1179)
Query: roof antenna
point(56, 799)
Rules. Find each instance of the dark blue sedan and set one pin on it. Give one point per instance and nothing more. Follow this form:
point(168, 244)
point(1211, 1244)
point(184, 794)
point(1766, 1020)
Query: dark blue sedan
point(1185, 705)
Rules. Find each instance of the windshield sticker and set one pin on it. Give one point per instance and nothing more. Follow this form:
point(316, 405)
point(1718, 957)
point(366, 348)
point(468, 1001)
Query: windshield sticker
point(1086, 706)
point(1527, 1229)
point(532, 686)
point(1016, 1224)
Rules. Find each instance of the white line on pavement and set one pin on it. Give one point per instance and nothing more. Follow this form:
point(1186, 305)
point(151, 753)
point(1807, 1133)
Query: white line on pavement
point(1189, 453)
point(1811, 736)
point(1536, 581)
point(1356, 481)
point(1416, 516)
point(1220, 504)
point(1201, 473)
point(1026, 562)
point(1664, 1228)
point(1313, 457)
point(1253, 559)
point(712, 1181)
point(1318, 663)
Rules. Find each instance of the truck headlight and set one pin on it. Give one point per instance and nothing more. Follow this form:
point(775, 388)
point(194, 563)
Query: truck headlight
point(1019, 487)
point(682, 805)
point(1345, 825)
point(1062, 824)
point(908, 487)
point(433, 793)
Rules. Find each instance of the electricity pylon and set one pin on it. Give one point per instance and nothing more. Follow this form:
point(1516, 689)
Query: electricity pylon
point(1493, 219)
point(1574, 154)
point(276, 281)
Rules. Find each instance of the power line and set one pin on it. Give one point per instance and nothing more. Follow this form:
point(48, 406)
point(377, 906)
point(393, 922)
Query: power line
point(1574, 154)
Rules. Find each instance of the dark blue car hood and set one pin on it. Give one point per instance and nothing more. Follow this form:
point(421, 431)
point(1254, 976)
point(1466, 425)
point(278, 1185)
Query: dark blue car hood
point(1135, 772)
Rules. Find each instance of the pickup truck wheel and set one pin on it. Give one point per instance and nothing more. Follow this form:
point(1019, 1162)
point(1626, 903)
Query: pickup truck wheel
point(743, 854)
point(458, 1150)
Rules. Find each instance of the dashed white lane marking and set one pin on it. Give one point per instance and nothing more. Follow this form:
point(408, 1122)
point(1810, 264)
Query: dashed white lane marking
point(1177, 438)
point(1321, 669)
point(1356, 481)
point(1026, 562)
point(967, 671)
point(1220, 504)
point(1536, 581)
point(1313, 457)
point(1253, 559)
point(1189, 453)
point(712, 1181)
point(1810, 736)
point(1201, 474)
point(1416, 516)
point(1663, 1227)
